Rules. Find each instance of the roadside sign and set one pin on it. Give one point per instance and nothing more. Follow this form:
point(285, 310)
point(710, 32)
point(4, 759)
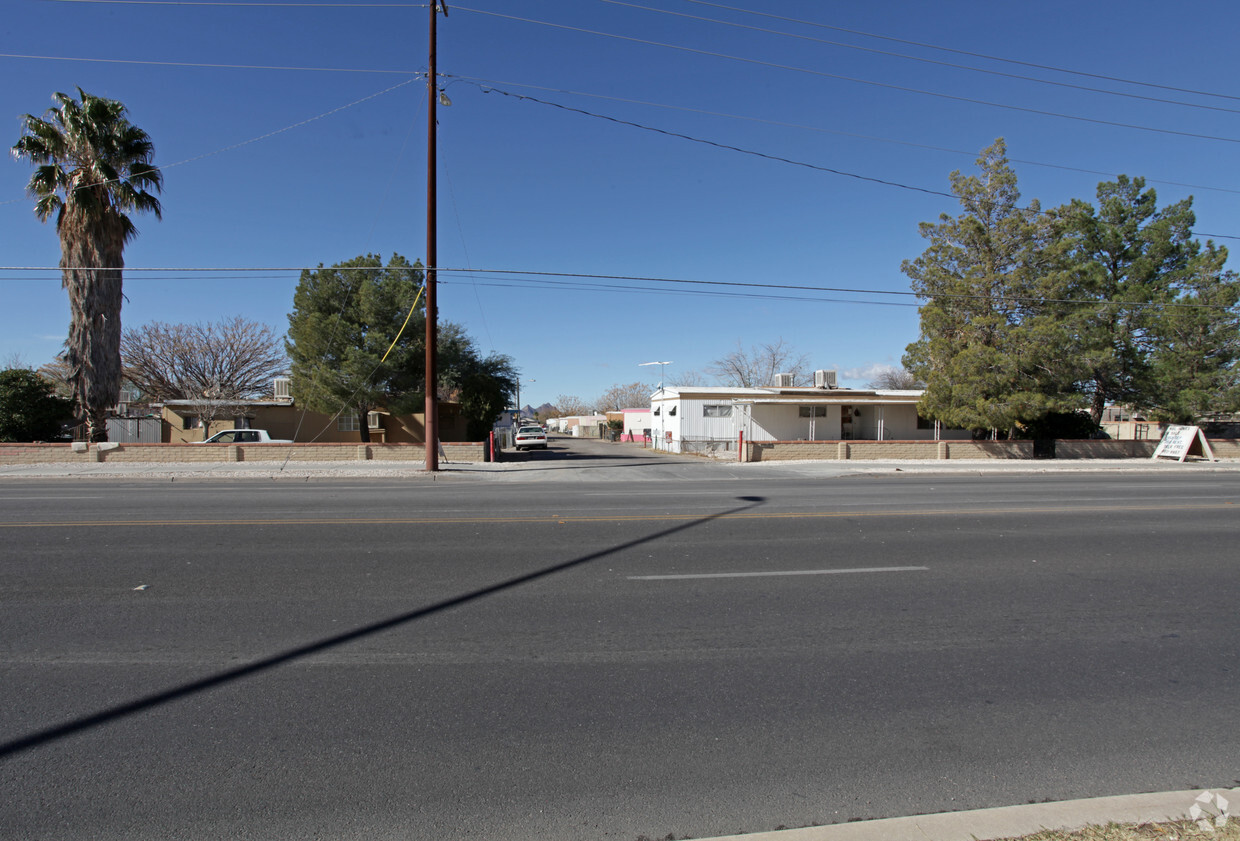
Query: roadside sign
point(1179, 442)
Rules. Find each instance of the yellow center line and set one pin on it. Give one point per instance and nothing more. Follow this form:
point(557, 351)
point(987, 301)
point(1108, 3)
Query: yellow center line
point(627, 518)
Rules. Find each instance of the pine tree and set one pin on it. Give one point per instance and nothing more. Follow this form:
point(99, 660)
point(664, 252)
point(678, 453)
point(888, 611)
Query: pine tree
point(344, 320)
point(991, 354)
point(1194, 360)
point(1128, 259)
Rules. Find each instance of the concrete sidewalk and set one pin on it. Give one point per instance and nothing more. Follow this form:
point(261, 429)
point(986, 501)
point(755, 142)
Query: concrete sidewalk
point(1008, 822)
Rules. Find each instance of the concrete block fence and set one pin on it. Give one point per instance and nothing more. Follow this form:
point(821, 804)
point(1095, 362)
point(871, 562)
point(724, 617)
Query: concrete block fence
point(1224, 448)
point(80, 453)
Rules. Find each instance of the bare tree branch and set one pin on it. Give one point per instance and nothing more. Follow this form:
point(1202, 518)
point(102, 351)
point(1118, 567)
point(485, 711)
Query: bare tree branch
point(569, 405)
point(757, 367)
point(629, 396)
point(231, 360)
point(896, 379)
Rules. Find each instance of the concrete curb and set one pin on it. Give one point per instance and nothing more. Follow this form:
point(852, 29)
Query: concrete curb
point(1004, 822)
point(301, 470)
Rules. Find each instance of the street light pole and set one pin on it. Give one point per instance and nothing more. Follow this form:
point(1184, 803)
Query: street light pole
point(661, 408)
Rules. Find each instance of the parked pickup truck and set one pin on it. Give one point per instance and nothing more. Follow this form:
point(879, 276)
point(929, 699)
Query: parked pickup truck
point(243, 436)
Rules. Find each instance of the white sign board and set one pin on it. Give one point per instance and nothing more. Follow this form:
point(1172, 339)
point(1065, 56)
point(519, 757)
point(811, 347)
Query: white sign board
point(1178, 442)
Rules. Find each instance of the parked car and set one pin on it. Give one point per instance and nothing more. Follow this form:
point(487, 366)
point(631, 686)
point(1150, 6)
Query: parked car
point(529, 437)
point(243, 436)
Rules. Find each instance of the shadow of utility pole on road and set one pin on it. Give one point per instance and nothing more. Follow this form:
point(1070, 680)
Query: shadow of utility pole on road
point(120, 711)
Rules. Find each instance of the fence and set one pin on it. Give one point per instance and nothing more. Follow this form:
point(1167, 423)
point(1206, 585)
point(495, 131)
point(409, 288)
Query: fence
point(135, 430)
point(165, 453)
point(713, 447)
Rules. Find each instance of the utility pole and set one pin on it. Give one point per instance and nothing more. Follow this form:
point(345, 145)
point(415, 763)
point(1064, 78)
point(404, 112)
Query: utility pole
point(431, 424)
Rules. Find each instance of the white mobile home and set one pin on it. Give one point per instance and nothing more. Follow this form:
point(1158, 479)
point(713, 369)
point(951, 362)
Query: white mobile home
point(697, 418)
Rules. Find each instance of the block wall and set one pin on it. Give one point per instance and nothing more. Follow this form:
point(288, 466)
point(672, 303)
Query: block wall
point(215, 453)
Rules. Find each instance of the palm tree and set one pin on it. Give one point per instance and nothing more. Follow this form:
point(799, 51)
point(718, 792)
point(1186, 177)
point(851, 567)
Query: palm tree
point(92, 167)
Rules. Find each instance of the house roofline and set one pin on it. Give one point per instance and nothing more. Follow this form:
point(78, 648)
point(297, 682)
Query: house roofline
point(862, 398)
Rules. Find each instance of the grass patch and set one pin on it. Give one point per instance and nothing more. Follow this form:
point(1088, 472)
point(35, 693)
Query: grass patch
point(1169, 831)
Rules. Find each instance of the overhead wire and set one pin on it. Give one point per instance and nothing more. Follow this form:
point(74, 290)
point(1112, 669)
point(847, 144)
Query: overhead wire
point(819, 129)
point(445, 273)
point(729, 147)
point(418, 74)
point(250, 3)
point(489, 88)
point(231, 147)
point(921, 59)
point(716, 144)
point(969, 53)
point(854, 79)
point(201, 64)
point(842, 290)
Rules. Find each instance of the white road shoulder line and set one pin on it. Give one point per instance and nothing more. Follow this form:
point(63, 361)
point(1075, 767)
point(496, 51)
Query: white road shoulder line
point(768, 574)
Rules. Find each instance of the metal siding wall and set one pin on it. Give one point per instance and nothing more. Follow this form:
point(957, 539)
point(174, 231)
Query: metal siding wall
point(696, 426)
point(691, 421)
point(135, 430)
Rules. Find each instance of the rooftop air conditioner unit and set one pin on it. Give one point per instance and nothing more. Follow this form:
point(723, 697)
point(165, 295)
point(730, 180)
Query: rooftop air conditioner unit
point(282, 388)
point(824, 379)
point(783, 380)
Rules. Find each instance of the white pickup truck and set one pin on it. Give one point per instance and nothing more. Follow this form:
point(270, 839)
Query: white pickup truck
point(243, 436)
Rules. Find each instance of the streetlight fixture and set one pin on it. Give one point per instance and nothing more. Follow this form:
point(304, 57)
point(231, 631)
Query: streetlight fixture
point(661, 365)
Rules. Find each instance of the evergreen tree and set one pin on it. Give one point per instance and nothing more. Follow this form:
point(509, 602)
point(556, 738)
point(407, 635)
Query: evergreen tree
point(1129, 258)
point(481, 385)
point(29, 407)
point(344, 320)
point(1193, 360)
point(991, 354)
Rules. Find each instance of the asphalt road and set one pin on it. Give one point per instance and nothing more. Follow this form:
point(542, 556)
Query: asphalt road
point(683, 648)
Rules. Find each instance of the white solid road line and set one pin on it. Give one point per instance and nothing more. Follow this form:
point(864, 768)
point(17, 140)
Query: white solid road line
point(767, 574)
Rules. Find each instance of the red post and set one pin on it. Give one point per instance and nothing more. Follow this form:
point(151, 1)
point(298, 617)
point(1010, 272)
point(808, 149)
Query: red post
point(740, 446)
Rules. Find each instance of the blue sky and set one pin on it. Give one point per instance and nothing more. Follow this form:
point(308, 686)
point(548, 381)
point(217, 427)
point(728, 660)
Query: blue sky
point(294, 134)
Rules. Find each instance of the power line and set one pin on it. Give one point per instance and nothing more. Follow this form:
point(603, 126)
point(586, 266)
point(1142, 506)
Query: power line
point(783, 124)
point(496, 283)
point(486, 88)
point(836, 289)
point(298, 124)
point(728, 147)
point(249, 3)
point(907, 57)
point(970, 54)
point(549, 277)
point(885, 85)
point(201, 64)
